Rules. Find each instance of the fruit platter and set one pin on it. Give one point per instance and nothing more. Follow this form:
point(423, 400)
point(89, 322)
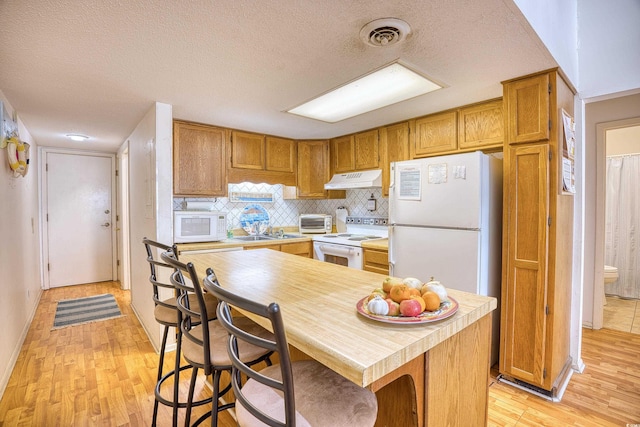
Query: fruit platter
point(408, 301)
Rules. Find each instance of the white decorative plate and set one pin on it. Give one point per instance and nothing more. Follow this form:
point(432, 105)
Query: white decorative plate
point(252, 214)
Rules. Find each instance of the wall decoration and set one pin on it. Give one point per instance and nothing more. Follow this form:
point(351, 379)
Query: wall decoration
point(237, 196)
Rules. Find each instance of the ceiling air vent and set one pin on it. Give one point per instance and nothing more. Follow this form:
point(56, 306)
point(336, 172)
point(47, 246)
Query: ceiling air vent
point(384, 32)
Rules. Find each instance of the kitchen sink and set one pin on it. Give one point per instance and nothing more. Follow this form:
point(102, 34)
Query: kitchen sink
point(253, 238)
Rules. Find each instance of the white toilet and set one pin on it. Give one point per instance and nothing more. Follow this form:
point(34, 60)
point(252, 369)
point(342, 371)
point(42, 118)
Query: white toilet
point(610, 276)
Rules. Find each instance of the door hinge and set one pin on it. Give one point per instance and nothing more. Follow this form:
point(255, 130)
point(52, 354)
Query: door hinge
point(549, 124)
point(47, 217)
point(46, 167)
point(546, 310)
point(48, 267)
point(544, 373)
point(549, 155)
point(118, 263)
point(549, 221)
point(549, 87)
point(116, 172)
point(117, 218)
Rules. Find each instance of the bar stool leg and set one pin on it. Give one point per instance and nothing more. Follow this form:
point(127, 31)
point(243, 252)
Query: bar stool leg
point(160, 366)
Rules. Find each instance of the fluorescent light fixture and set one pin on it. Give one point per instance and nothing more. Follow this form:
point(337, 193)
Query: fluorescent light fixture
point(388, 85)
point(77, 137)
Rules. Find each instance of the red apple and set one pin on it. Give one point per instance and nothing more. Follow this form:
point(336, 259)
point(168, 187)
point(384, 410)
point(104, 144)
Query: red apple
point(410, 308)
point(394, 307)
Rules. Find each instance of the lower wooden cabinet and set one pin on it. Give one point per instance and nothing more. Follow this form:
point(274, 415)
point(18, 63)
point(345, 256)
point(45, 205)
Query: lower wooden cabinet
point(304, 249)
point(375, 260)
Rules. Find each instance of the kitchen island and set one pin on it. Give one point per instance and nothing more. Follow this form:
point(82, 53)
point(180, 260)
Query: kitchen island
point(424, 375)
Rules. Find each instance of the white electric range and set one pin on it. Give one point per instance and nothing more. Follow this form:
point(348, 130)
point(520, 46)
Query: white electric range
point(346, 248)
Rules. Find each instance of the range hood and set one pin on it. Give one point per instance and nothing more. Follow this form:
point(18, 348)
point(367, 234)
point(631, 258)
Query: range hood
point(362, 179)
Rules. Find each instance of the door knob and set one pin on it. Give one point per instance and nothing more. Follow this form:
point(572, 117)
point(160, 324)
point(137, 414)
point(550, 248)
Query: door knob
point(106, 224)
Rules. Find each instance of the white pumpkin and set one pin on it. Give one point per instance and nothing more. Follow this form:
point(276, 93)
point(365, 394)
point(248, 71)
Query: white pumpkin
point(436, 287)
point(378, 306)
point(412, 282)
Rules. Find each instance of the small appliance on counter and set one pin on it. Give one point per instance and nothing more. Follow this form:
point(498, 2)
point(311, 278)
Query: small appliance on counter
point(341, 219)
point(315, 223)
point(199, 226)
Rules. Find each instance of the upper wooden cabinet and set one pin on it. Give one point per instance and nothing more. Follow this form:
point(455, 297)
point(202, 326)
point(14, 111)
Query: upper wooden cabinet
point(355, 152)
point(394, 147)
point(434, 134)
point(481, 125)
point(342, 154)
point(365, 148)
point(199, 155)
point(280, 154)
point(260, 158)
point(247, 150)
point(527, 105)
point(314, 170)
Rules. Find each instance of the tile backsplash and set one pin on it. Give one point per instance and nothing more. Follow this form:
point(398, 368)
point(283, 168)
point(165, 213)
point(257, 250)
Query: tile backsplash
point(285, 212)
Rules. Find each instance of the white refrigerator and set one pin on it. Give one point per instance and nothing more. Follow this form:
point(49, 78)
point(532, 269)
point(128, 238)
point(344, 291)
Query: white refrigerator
point(445, 222)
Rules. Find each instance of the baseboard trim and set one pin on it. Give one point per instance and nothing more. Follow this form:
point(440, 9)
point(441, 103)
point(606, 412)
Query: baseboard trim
point(16, 351)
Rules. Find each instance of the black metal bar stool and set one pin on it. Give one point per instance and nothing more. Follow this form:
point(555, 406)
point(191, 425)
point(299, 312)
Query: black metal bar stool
point(166, 314)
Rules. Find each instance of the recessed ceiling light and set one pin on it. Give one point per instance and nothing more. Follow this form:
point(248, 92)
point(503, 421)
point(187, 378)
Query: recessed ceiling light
point(386, 86)
point(77, 137)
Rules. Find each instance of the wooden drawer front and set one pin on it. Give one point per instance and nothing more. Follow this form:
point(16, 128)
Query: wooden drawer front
point(274, 247)
point(435, 134)
point(376, 261)
point(299, 248)
point(481, 125)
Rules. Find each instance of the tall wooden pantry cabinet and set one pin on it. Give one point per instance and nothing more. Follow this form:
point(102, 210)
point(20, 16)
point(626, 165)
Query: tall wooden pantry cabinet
point(537, 233)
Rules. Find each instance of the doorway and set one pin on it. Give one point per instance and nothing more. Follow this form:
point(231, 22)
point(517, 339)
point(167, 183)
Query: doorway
point(77, 217)
point(122, 220)
point(603, 131)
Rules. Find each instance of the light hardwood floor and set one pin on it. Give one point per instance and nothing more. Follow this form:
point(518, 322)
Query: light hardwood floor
point(103, 373)
point(622, 314)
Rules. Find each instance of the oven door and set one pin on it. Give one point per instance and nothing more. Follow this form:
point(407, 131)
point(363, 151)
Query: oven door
point(349, 256)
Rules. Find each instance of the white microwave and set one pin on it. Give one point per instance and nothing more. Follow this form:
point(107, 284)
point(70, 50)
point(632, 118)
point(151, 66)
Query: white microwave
point(315, 223)
point(199, 226)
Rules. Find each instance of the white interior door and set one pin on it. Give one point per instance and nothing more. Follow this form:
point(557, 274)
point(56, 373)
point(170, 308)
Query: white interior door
point(79, 206)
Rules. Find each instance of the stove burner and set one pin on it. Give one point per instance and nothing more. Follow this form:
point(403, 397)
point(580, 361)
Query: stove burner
point(358, 238)
point(344, 235)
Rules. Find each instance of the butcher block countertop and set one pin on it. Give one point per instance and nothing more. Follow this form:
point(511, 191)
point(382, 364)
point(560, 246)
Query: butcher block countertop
point(421, 373)
point(379, 244)
point(447, 360)
point(318, 302)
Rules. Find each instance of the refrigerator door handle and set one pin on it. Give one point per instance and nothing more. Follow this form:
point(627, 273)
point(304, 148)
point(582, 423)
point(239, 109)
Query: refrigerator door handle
point(392, 261)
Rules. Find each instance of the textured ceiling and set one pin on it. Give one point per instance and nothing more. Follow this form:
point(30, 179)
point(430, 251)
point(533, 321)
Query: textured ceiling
point(97, 67)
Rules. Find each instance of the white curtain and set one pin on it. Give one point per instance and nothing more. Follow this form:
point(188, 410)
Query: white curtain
point(622, 226)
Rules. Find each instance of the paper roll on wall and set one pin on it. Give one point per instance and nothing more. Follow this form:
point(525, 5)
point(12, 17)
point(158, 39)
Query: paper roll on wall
point(199, 206)
point(341, 219)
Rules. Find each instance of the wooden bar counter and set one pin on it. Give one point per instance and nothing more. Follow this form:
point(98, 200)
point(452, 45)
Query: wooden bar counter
point(428, 374)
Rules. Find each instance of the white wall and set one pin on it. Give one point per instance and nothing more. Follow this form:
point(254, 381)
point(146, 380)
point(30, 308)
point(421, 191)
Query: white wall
point(609, 52)
point(556, 23)
point(611, 110)
point(20, 282)
point(623, 141)
point(150, 204)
